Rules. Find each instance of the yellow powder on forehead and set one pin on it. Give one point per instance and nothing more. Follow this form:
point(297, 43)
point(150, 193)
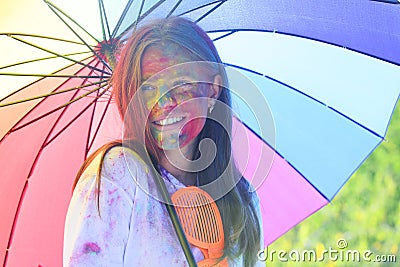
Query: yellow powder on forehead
point(156, 58)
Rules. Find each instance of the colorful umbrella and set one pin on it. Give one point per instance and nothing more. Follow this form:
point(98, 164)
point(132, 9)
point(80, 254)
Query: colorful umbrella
point(328, 71)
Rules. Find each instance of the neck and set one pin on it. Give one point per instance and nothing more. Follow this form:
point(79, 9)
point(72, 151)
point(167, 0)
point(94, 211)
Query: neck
point(178, 163)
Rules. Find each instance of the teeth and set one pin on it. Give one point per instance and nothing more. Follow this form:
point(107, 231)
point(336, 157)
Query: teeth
point(169, 121)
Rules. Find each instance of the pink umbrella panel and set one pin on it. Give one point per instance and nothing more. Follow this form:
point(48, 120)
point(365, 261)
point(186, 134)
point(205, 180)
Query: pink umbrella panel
point(51, 139)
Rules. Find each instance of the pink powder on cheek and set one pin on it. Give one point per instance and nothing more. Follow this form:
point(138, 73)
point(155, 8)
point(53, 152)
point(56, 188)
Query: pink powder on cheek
point(164, 59)
point(192, 129)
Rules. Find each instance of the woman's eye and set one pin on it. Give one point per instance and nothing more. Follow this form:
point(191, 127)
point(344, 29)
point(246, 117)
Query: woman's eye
point(147, 87)
point(184, 85)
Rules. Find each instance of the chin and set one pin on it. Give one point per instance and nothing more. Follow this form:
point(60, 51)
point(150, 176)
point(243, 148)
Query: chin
point(172, 143)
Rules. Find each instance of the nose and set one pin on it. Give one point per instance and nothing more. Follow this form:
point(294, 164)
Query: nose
point(167, 101)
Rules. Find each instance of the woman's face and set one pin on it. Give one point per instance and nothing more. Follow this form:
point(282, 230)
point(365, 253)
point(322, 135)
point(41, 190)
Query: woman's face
point(177, 105)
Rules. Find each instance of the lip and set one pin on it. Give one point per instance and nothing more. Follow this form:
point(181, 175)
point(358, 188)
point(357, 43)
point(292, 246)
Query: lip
point(169, 126)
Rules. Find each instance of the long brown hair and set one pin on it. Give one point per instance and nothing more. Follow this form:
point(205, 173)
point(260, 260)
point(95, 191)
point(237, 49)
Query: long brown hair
point(237, 207)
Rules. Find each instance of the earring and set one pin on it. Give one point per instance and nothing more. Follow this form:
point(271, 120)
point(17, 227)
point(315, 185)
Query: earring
point(211, 108)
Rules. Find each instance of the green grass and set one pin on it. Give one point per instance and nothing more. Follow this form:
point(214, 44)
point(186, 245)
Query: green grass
point(366, 212)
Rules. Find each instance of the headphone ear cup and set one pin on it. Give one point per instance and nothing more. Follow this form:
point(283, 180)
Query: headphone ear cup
point(211, 108)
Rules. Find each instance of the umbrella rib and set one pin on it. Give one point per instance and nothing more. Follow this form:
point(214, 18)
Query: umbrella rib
point(174, 8)
point(49, 94)
point(280, 155)
point(10, 34)
point(310, 97)
point(156, 5)
point(88, 146)
point(105, 17)
point(28, 85)
point(355, 122)
point(55, 53)
point(121, 18)
point(14, 221)
point(60, 107)
point(37, 104)
point(199, 7)
point(22, 197)
point(90, 126)
point(77, 116)
point(72, 99)
point(41, 59)
point(387, 1)
point(210, 11)
point(102, 22)
point(223, 36)
point(98, 126)
point(102, 11)
point(141, 17)
point(139, 13)
point(94, 102)
point(309, 38)
point(53, 7)
point(52, 75)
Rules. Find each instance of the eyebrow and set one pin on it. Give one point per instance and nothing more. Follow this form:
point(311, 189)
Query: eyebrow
point(181, 82)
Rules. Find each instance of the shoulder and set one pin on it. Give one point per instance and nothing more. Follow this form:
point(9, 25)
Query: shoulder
point(122, 161)
point(121, 168)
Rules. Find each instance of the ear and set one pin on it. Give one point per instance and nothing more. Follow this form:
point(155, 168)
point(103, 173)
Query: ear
point(215, 90)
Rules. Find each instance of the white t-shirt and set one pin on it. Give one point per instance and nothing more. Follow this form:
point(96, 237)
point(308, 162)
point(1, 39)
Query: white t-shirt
point(133, 229)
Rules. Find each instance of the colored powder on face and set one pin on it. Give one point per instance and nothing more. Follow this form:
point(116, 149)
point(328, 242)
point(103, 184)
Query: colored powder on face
point(91, 247)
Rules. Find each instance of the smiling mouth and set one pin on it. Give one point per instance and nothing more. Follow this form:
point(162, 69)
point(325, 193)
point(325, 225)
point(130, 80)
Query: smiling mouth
point(168, 121)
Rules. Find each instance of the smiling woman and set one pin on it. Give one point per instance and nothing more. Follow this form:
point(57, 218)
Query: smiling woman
point(178, 104)
point(171, 91)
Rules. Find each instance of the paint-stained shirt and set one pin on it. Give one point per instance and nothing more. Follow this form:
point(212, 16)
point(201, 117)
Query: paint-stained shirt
point(126, 225)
